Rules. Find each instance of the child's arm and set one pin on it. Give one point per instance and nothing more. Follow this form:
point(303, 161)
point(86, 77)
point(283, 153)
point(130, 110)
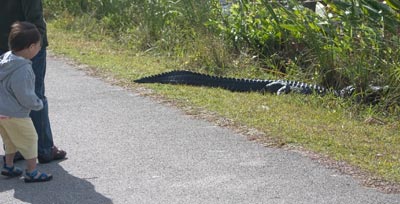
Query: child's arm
point(23, 86)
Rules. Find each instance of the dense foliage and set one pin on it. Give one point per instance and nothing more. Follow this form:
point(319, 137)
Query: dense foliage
point(348, 42)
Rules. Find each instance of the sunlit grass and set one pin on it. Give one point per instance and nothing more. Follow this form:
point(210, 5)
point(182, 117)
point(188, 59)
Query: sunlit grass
point(319, 124)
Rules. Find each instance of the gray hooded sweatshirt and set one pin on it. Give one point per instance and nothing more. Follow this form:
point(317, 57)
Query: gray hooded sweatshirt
point(17, 87)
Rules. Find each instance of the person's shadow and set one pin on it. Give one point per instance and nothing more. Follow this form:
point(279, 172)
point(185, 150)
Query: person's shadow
point(64, 188)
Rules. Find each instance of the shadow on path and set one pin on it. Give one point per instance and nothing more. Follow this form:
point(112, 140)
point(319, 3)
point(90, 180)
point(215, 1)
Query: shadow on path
point(64, 188)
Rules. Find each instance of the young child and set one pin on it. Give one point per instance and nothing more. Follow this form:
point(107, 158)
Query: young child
point(17, 99)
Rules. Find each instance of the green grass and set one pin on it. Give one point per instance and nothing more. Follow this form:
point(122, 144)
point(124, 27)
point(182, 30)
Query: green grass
point(322, 125)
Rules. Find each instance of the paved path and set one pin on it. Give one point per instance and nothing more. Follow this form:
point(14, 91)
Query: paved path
point(124, 148)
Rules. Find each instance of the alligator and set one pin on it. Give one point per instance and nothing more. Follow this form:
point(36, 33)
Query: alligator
point(278, 87)
point(233, 84)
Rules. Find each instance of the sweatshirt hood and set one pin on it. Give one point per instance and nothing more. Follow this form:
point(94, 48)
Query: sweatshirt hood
point(9, 63)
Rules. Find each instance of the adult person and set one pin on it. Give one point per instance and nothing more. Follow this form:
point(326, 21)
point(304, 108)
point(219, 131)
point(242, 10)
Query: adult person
point(32, 11)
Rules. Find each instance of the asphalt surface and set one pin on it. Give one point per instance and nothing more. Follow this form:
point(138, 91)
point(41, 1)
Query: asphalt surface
point(126, 148)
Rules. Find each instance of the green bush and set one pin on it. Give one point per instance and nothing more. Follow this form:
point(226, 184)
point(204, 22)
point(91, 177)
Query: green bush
point(354, 43)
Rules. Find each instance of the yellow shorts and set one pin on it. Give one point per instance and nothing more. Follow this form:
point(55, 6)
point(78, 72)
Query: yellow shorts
point(19, 134)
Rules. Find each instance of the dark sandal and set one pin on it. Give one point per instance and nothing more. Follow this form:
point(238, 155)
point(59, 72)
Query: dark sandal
point(36, 176)
point(11, 171)
point(58, 153)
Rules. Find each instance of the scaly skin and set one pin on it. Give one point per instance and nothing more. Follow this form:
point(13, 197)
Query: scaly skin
point(233, 84)
point(372, 96)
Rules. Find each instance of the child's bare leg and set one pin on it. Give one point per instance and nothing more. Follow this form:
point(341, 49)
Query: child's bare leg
point(10, 159)
point(31, 164)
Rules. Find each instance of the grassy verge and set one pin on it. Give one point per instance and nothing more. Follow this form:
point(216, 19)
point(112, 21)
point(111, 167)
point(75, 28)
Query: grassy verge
point(321, 125)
